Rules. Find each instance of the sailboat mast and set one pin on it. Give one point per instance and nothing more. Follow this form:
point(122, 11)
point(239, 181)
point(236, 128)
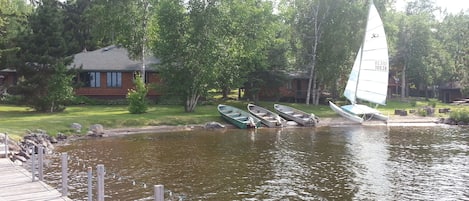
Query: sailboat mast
point(361, 52)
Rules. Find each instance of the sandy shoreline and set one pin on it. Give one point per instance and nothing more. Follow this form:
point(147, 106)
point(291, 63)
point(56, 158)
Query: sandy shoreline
point(324, 122)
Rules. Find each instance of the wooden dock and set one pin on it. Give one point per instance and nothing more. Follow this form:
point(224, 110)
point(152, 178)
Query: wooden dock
point(16, 184)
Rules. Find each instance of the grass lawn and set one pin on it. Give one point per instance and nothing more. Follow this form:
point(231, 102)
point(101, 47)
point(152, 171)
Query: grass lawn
point(16, 120)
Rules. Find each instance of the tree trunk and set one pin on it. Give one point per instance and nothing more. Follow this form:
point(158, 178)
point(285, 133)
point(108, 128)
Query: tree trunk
point(313, 56)
point(317, 36)
point(225, 91)
point(316, 92)
point(52, 107)
point(191, 102)
point(425, 87)
point(310, 81)
point(403, 83)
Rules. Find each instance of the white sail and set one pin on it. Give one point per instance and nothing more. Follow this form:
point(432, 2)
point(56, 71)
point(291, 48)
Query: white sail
point(351, 87)
point(369, 77)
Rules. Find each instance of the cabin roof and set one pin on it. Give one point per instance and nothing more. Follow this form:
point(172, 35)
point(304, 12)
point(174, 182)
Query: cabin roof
point(8, 70)
point(297, 75)
point(111, 58)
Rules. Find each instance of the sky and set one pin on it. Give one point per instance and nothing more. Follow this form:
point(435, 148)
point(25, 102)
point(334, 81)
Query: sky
point(453, 6)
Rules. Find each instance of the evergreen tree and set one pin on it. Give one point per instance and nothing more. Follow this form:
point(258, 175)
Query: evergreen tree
point(45, 82)
point(13, 16)
point(78, 26)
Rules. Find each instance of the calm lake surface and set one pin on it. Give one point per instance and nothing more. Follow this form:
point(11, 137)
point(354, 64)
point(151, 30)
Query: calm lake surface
point(332, 163)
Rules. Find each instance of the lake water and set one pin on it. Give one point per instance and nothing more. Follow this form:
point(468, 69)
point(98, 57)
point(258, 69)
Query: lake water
point(331, 163)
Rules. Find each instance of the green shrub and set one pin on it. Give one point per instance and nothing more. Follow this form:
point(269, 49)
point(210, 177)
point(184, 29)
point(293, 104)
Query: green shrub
point(426, 111)
point(460, 115)
point(79, 100)
point(116, 102)
point(11, 99)
point(422, 112)
point(83, 100)
point(137, 97)
point(432, 103)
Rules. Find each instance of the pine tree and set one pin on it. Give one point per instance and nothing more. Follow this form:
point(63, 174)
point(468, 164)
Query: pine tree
point(45, 83)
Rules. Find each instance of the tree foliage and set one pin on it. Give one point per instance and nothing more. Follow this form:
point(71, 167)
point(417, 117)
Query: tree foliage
point(250, 51)
point(207, 44)
point(13, 18)
point(77, 26)
point(137, 97)
point(45, 81)
point(452, 36)
point(417, 49)
point(324, 39)
point(186, 44)
point(120, 22)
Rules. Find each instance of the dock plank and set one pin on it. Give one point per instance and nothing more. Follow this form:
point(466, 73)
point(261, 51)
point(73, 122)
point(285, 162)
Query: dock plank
point(16, 184)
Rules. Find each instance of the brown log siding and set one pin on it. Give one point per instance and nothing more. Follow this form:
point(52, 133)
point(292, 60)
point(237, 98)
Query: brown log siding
point(121, 92)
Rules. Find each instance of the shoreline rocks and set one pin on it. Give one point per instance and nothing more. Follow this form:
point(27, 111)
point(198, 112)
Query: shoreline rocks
point(22, 150)
point(96, 130)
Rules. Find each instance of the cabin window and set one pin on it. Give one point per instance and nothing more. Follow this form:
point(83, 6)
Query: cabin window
point(114, 79)
point(91, 79)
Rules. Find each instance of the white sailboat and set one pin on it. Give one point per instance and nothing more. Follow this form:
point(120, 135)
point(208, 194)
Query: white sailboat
point(368, 80)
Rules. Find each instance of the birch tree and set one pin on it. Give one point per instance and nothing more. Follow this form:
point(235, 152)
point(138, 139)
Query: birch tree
point(317, 20)
point(186, 44)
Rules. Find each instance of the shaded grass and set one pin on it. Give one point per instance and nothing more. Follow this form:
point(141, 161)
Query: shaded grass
point(17, 120)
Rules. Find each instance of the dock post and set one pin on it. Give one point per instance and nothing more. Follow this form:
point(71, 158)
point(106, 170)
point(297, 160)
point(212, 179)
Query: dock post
point(64, 174)
point(90, 184)
point(100, 185)
point(41, 163)
point(159, 193)
point(33, 166)
point(6, 145)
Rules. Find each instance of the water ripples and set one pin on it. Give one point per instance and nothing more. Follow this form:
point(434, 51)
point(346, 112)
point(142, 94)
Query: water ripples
point(344, 163)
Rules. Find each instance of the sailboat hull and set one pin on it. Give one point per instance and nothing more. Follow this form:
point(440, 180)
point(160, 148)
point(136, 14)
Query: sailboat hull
point(358, 109)
point(354, 112)
point(345, 114)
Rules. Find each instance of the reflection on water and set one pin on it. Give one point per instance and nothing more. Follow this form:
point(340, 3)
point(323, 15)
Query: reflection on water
point(337, 163)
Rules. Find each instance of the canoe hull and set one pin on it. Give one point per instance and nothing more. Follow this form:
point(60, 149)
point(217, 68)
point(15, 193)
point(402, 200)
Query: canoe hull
point(238, 117)
point(292, 114)
point(268, 118)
